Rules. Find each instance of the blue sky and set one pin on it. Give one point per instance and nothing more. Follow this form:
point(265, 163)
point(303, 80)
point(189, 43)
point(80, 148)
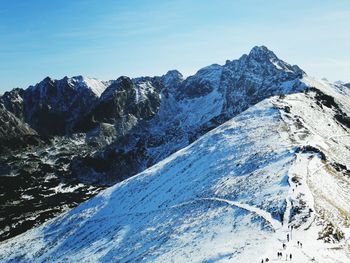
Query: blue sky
point(106, 39)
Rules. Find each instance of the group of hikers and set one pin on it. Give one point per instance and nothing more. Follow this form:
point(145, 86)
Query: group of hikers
point(289, 237)
point(280, 254)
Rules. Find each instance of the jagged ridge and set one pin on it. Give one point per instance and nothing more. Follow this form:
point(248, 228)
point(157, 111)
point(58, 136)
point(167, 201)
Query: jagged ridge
point(231, 195)
point(134, 123)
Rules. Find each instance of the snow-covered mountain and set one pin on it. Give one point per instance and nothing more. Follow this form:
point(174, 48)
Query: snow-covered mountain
point(134, 123)
point(176, 111)
point(279, 168)
point(84, 133)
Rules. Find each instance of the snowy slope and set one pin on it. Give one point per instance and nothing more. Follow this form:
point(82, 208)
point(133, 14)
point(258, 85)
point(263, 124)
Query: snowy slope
point(93, 84)
point(231, 196)
point(166, 206)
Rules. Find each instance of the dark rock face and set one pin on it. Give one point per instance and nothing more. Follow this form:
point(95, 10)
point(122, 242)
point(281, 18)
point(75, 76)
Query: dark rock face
point(78, 130)
point(119, 101)
point(51, 107)
point(11, 126)
point(328, 101)
point(171, 80)
point(13, 102)
point(36, 184)
point(194, 87)
point(347, 85)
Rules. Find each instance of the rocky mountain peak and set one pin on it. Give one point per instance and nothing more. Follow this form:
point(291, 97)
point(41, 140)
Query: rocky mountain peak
point(13, 101)
point(122, 83)
point(261, 53)
point(172, 78)
point(174, 73)
point(46, 80)
point(262, 60)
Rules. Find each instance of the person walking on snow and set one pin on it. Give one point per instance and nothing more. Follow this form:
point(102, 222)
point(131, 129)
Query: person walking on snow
point(279, 255)
point(290, 257)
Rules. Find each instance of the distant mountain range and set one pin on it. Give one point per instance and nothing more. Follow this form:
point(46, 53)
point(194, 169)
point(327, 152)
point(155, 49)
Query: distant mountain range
point(229, 162)
point(138, 122)
point(62, 141)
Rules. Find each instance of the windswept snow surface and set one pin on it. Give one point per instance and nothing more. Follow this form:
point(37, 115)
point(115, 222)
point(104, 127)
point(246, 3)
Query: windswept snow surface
point(232, 196)
point(95, 85)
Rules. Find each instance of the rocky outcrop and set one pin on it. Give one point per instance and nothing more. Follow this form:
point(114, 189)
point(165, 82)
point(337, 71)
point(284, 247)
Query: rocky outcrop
point(12, 127)
point(122, 103)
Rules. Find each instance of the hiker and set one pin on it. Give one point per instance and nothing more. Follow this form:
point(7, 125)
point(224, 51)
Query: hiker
point(279, 255)
point(287, 237)
point(298, 243)
point(301, 245)
point(290, 257)
point(262, 261)
point(267, 260)
point(284, 246)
